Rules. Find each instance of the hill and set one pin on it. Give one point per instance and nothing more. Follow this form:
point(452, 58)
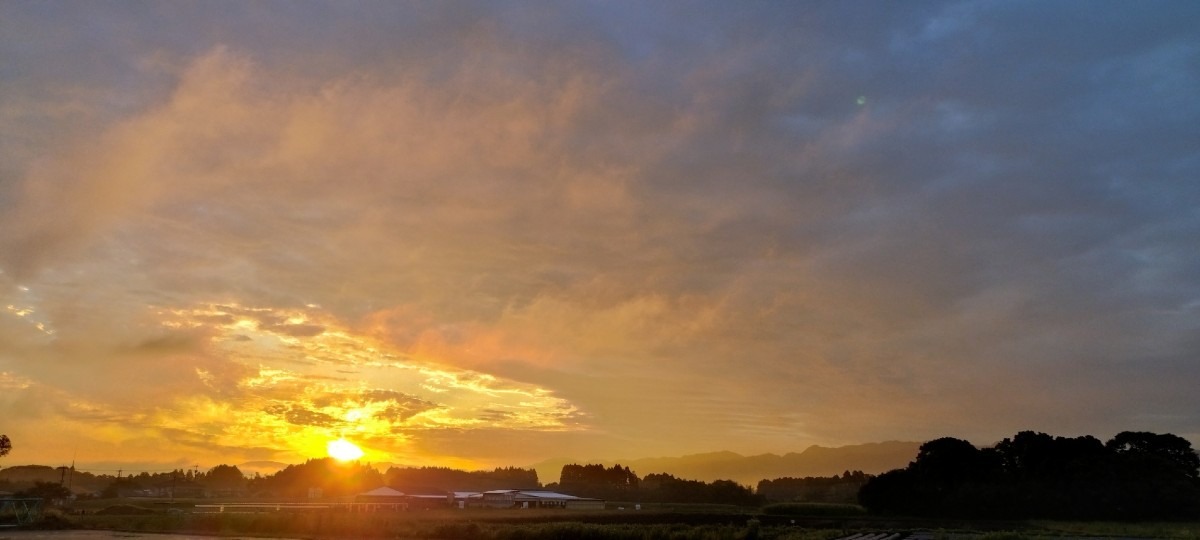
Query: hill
point(871, 458)
point(24, 476)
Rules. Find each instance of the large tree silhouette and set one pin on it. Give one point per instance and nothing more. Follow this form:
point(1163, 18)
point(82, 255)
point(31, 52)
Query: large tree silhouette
point(1136, 475)
point(5, 445)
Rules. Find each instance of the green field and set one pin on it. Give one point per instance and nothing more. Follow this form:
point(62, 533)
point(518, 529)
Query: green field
point(656, 522)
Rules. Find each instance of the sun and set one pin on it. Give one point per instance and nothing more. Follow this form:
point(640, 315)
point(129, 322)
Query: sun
point(343, 450)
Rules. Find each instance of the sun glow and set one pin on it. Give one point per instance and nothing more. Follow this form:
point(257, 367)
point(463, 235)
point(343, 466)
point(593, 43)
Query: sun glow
point(395, 400)
point(343, 450)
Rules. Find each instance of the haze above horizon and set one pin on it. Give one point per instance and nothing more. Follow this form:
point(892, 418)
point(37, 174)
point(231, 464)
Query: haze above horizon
point(475, 234)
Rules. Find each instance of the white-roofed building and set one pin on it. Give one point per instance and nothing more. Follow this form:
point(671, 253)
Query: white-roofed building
point(533, 498)
point(382, 498)
point(380, 493)
point(464, 499)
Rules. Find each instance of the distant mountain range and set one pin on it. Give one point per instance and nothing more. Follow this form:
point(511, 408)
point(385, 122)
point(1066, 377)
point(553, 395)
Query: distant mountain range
point(267, 468)
point(871, 458)
point(261, 467)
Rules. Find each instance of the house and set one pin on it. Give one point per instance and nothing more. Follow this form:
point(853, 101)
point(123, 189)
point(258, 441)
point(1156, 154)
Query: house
point(520, 498)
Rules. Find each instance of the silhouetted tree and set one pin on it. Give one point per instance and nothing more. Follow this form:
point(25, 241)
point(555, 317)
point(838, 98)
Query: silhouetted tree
point(454, 480)
point(663, 487)
point(46, 490)
point(223, 478)
point(1054, 476)
point(1034, 475)
point(1168, 450)
point(946, 462)
point(331, 477)
point(5, 445)
point(595, 480)
point(730, 492)
point(119, 487)
point(1156, 475)
point(831, 489)
point(891, 492)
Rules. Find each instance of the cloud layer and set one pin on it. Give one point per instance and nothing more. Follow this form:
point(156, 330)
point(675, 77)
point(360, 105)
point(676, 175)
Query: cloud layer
point(488, 234)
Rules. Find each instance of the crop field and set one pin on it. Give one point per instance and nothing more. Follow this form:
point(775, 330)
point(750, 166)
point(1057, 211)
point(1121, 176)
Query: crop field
point(617, 522)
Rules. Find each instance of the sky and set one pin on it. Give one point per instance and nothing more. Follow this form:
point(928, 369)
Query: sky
point(478, 234)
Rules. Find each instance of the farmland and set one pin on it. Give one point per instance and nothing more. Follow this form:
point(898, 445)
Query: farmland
point(667, 522)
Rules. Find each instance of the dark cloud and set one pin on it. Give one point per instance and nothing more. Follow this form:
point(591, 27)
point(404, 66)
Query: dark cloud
point(296, 330)
point(845, 221)
point(376, 396)
point(398, 413)
point(301, 416)
point(400, 406)
point(168, 344)
point(493, 415)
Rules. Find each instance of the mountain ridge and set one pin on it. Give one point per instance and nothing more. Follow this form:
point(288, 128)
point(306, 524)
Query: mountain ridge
point(816, 460)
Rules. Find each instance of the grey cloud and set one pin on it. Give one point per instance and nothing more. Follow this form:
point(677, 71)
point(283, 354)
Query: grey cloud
point(168, 344)
point(401, 406)
point(493, 415)
point(1014, 200)
point(403, 411)
point(388, 395)
point(296, 330)
point(301, 416)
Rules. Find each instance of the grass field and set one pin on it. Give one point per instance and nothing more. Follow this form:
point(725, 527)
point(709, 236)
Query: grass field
point(652, 522)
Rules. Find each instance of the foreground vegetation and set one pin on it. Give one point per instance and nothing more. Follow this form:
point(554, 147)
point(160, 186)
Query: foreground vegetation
point(672, 522)
point(657, 522)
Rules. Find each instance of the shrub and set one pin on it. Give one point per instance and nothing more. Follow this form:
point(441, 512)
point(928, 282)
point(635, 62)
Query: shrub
point(813, 509)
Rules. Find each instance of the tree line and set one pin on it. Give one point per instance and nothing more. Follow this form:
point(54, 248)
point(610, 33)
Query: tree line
point(1134, 475)
point(36, 480)
point(335, 479)
point(824, 489)
point(456, 480)
point(622, 484)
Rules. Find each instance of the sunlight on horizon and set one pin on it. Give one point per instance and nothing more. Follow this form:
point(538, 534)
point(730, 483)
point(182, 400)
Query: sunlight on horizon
point(343, 450)
point(294, 379)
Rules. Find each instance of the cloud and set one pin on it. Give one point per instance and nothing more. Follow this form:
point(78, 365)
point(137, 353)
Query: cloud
point(819, 223)
point(301, 416)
